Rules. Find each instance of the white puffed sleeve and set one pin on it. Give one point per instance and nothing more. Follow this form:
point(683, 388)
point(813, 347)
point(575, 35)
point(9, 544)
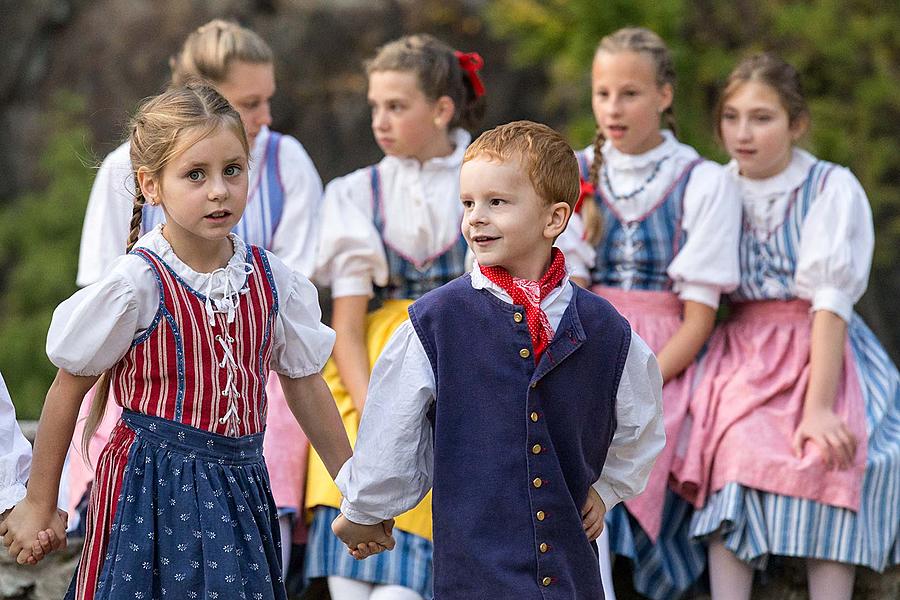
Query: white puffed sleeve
point(94, 328)
point(351, 254)
point(708, 265)
point(15, 453)
point(301, 342)
point(105, 229)
point(836, 244)
point(580, 255)
point(295, 238)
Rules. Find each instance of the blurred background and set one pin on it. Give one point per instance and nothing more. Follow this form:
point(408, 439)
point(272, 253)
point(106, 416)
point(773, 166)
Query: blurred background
point(72, 70)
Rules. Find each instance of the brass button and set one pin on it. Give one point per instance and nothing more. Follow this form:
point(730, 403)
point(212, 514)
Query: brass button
point(517, 317)
point(533, 384)
point(534, 417)
point(540, 515)
point(537, 482)
point(536, 449)
point(524, 352)
point(543, 548)
point(546, 581)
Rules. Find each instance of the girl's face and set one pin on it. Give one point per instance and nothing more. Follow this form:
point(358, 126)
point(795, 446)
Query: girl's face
point(627, 101)
point(202, 189)
point(249, 88)
point(756, 130)
point(405, 123)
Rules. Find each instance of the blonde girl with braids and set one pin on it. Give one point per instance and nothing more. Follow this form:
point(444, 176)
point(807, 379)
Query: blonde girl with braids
point(183, 331)
point(391, 231)
point(283, 201)
point(658, 238)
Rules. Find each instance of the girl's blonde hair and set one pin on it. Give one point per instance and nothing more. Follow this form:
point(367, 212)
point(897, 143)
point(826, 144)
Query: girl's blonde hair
point(438, 70)
point(642, 41)
point(163, 127)
point(209, 50)
point(773, 71)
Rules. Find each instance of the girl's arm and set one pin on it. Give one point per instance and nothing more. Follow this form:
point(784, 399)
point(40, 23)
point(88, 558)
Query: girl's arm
point(37, 512)
point(683, 346)
point(350, 353)
point(819, 423)
point(313, 406)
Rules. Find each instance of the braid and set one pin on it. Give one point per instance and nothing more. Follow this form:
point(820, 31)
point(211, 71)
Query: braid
point(590, 213)
point(137, 212)
point(669, 120)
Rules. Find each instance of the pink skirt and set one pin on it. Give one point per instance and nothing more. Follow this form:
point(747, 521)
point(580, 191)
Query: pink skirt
point(748, 403)
point(656, 316)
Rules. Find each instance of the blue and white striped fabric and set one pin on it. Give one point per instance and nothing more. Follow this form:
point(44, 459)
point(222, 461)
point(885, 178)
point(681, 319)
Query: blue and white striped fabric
point(406, 280)
point(265, 202)
point(665, 570)
point(408, 564)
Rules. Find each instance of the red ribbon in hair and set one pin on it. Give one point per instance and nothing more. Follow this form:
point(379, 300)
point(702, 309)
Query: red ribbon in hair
point(471, 63)
point(587, 191)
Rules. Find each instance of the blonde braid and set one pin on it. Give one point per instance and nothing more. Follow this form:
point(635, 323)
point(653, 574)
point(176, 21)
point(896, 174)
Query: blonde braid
point(590, 212)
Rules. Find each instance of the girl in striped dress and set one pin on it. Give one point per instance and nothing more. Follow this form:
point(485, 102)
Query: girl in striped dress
point(658, 238)
point(391, 230)
point(795, 448)
point(283, 201)
point(182, 332)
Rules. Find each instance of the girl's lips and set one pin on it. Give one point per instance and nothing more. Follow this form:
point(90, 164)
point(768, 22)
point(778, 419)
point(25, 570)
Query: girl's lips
point(616, 131)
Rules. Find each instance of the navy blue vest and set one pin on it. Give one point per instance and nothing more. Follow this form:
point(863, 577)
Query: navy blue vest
point(517, 446)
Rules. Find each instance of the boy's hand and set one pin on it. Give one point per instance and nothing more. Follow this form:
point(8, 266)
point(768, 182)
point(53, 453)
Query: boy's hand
point(48, 541)
point(23, 526)
point(592, 515)
point(364, 540)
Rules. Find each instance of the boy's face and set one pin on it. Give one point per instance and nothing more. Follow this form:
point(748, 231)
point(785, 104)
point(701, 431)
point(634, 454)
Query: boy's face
point(506, 223)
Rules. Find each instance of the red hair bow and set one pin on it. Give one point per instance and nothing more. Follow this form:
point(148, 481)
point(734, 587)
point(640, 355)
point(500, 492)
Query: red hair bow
point(471, 63)
point(587, 191)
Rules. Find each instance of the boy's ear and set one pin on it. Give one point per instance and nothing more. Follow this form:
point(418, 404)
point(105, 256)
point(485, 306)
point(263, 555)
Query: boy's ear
point(559, 218)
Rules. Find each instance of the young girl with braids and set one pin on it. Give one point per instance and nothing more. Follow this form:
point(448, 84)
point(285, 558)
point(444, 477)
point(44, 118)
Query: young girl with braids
point(182, 332)
point(283, 200)
point(391, 230)
point(659, 240)
point(795, 449)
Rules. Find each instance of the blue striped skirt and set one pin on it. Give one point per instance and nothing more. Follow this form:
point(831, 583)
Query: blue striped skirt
point(666, 569)
point(756, 524)
point(408, 564)
point(194, 518)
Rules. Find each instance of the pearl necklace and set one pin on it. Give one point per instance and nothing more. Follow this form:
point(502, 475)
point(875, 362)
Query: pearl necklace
point(608, 182)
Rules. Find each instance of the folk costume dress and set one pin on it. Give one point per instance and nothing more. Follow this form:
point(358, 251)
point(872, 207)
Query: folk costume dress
point(806, 245)
point(282, 207)
point(670, 229)
point(510, 430)
point(15, 454)
point(391, 230)
point(182, 503)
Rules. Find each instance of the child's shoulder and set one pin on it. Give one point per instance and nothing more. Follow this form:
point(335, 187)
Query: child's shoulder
point(596, 310)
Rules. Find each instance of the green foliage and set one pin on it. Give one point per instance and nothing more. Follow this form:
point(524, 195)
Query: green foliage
point(39, 237)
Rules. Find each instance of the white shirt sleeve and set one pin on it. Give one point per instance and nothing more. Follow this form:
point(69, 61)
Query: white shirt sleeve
point(106, 221)
point(640, 434)
point(351, 254)
point(15, 454)
point(836, 244)
point(580, 255)
point(391, 468)
point(301, 342)
point(295, 238)
point(708, 263)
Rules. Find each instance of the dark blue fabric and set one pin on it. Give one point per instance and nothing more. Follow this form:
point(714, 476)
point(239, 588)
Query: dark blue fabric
point(487, 535)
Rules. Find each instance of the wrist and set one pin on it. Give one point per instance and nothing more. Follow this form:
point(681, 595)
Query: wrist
point(37, 503)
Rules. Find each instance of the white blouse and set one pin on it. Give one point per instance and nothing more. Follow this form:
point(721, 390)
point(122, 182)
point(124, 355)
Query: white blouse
point(15, 453)
point(94, 328)
point(837, 237)
point(422, 213)
point(395, 441)
point(108, 216)
point(707, 264)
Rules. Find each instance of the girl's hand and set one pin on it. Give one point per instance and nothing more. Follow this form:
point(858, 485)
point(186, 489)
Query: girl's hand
point(21, 529)
point(592, 515)
point(48, 541)
point(830, 434)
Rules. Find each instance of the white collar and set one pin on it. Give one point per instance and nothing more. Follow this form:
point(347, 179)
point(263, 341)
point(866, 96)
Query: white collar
point(480, 281)
point(782, 183)
point(636, 162)
point(459, 137)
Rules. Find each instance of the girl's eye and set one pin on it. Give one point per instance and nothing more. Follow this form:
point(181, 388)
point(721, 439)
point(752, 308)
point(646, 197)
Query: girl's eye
point(729, 116)
point(602, 93)
point(763, 118)
point(195, 175)
point(251, 105)
point(232, 171)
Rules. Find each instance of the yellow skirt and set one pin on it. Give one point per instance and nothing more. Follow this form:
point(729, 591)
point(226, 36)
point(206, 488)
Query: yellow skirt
point(320, 489)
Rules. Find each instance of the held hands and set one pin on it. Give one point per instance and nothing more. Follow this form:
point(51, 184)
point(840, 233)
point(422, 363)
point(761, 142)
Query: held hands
point(592, 515)
point(830, 434)
point(364, 541)
point(30, 532)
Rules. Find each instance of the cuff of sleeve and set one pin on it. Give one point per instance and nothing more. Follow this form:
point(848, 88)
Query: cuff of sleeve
point(299, 373)
point(351, 286)
point(358, 517)
point(607, 494)
point(11, 495)
point(833, 300)
point(697, 292)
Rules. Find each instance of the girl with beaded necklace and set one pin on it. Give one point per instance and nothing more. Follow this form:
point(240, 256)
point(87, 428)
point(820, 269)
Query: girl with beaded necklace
point(657, 236)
